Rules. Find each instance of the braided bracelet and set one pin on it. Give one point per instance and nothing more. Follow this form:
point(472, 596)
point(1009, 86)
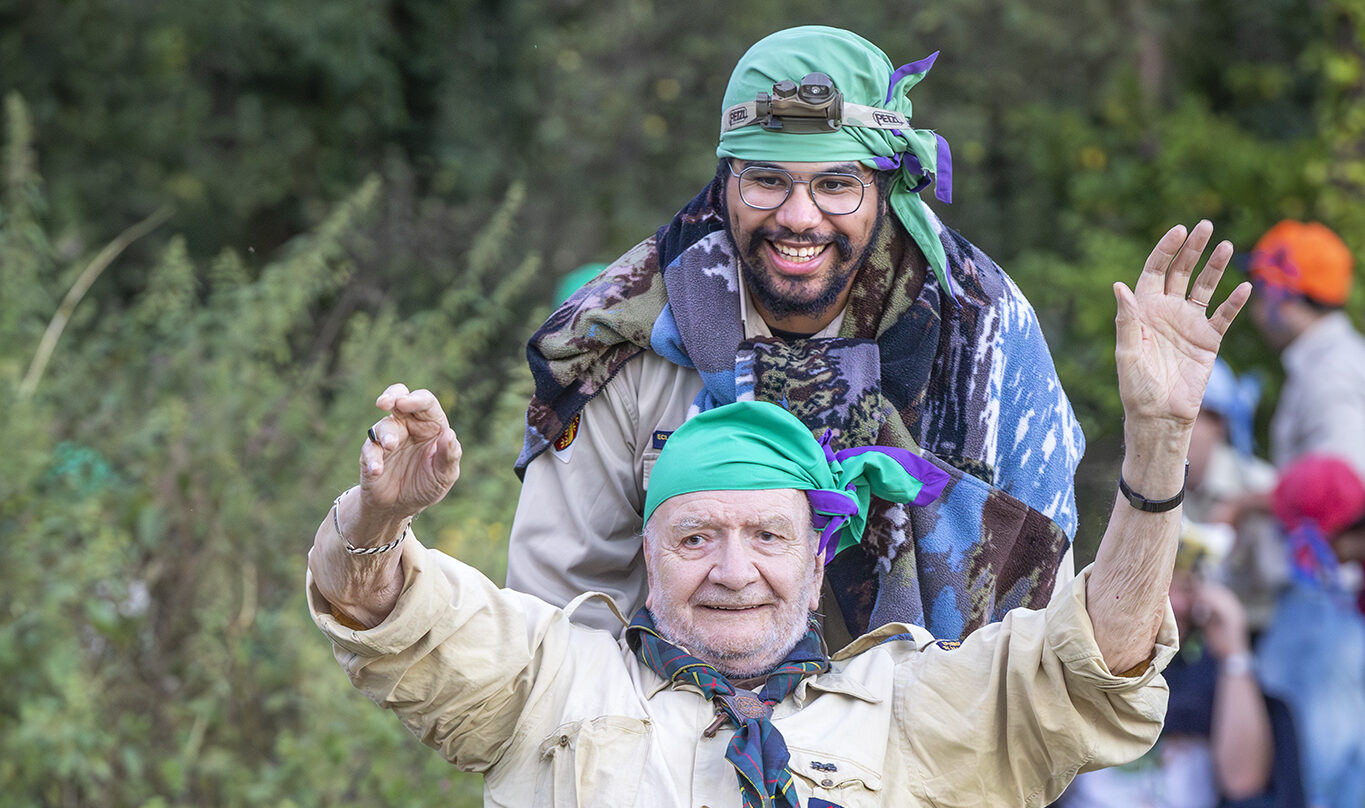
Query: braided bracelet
point(351, 548)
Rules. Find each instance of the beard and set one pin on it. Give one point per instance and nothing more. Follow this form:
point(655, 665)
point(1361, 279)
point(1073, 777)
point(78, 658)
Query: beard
point(738, 657)
point(775, 295)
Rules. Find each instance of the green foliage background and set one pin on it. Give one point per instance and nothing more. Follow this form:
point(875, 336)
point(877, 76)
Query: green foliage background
point(236, 222)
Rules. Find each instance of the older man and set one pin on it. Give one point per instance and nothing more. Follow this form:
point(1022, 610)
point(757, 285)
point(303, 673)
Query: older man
point(719, 692)
point(809, 273)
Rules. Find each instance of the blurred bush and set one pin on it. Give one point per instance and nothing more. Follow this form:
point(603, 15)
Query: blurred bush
point(174, 460)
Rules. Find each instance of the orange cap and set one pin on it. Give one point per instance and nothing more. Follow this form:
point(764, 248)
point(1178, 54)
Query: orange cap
point(1306, 258)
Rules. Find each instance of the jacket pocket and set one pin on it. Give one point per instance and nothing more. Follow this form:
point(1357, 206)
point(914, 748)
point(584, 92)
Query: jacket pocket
point(596, 761)
point(835, 779)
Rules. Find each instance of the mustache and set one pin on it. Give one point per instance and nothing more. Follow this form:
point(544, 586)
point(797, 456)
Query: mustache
point(723, 601)
point(842, 245)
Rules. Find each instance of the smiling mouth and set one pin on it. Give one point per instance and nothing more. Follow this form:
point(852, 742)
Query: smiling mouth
point(748, 608)
point(798, 254)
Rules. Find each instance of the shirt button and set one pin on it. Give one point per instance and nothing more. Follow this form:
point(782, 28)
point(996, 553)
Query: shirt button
point(826, 782)
point(564, 740)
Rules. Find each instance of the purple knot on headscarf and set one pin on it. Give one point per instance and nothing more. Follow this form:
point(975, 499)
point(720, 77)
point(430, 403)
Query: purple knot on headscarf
point(831, 510)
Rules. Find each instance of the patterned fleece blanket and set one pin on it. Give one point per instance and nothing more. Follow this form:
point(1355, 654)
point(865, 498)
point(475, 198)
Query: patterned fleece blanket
point(967, 382)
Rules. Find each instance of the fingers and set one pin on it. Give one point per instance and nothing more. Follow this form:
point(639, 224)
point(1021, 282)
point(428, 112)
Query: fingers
point(387, 433)
point(421, 405)
point(391, 394)
point(1187, 258)
point(448, 454)
point(444, 452)
point(1212, 274)
point(1174, 259)
point(371, 459)
point(413, 415)
point(1228, 310)
point(1153, 277)
point(419, 409)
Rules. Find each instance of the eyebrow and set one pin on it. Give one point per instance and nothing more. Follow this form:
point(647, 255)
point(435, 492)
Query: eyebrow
point(776, 522)
point(837, 168)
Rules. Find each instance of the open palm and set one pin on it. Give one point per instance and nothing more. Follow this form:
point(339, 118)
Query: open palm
point(1167, 340)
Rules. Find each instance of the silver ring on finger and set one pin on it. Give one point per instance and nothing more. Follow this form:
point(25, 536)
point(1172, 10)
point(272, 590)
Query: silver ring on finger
point(1200, 303)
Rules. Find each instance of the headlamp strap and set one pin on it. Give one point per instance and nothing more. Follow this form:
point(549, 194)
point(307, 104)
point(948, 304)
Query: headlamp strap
point(813, 106)
point(760, 112)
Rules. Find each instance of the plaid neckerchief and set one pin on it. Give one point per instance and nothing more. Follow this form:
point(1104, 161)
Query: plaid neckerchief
point(757, 749)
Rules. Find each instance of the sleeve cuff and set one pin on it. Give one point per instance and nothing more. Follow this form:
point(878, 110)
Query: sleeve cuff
point(426, 595)
point(1072, 635)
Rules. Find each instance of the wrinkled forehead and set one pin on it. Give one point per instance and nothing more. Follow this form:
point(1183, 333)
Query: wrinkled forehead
point(776, 509)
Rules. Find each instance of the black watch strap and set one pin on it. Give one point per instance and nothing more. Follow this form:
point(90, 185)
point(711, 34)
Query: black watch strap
point(1153, 505)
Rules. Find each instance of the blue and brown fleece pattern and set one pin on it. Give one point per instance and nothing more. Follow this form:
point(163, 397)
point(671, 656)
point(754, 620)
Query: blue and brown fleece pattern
point(969, 383)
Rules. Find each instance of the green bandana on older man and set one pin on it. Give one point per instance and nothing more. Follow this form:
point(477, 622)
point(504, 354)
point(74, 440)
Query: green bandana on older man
point(864, 74)
point(757, 445)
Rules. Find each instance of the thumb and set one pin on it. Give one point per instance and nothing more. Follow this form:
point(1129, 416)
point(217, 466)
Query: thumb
point(449, 453)
point(1127, 328)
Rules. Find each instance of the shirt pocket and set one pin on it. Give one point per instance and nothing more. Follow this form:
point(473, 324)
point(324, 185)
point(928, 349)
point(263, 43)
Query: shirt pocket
point(835, 778)
point(595, 761)
point(647, 461)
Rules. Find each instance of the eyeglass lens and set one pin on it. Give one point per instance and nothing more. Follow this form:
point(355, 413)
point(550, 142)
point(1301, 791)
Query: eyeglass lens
point(767, 188)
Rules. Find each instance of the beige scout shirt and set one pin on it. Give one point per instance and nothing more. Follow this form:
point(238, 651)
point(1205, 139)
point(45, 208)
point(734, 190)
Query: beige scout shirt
point(556, 714)
point(578, 521)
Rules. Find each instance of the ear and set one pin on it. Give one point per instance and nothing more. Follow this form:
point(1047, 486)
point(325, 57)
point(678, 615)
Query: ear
point(647, 552)
point(818, 572)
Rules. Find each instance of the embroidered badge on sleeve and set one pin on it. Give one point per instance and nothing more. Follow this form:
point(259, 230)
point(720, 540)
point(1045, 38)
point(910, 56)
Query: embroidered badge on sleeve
point(563, 446)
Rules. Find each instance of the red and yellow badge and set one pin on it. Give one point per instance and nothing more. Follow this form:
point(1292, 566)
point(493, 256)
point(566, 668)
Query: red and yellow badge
point(564, 442)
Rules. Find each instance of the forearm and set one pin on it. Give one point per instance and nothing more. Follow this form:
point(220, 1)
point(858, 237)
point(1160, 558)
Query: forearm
point(361, 587)
point(459, 660)
point(1132, 573)
point(1240, 735)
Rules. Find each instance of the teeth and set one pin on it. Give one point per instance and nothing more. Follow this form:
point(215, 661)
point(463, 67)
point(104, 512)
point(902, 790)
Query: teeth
point(799, 254)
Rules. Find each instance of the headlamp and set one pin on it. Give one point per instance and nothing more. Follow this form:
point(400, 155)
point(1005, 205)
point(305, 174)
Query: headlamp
point(813, 106)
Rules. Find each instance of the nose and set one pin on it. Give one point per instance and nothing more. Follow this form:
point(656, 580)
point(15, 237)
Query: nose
point(735, 568)
point(798, 212)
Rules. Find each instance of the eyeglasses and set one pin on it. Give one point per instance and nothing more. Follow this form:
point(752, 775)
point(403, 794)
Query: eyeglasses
point(765, 188)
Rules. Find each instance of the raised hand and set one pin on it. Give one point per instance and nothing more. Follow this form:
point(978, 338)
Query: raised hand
point(409, 461)
point(1167, 340)
point(411, 458)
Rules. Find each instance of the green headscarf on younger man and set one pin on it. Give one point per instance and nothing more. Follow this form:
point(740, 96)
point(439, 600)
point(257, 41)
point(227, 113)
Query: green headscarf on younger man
point(864, 74)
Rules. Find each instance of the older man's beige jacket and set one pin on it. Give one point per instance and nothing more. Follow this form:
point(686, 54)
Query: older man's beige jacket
point(556, 714)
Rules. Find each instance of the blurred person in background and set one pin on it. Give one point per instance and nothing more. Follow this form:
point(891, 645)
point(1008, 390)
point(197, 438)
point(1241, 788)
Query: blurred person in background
point(1225, 743)
point(1302, 275)
point(810, 273)
point(1229, 490)
point(1312, 654)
